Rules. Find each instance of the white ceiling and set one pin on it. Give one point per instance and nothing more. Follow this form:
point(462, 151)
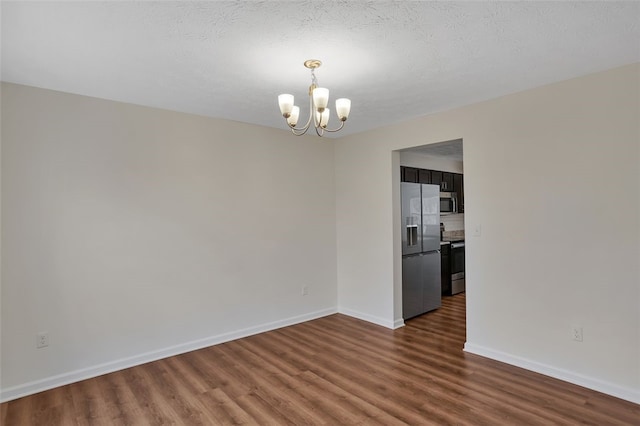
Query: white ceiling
point(231, 59)
point(451, 150)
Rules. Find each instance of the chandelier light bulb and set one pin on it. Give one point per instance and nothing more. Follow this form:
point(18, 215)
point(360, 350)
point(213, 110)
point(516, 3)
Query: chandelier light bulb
point(324, 118)
point(318, 112)
point(320, 98)
point(343, 107)
point(285, 101)
point(292, 120)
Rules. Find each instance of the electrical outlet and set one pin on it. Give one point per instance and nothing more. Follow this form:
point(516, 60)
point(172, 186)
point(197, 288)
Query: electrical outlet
point(42, 340)
point(576, 333)
point(305, 290)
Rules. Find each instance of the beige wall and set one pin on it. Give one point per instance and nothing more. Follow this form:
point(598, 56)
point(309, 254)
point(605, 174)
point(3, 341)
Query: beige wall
point(131, 233)
point(552, 176)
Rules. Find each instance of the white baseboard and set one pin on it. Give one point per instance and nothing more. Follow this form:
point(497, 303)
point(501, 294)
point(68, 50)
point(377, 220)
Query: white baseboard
point(621, 392)
point(398, 323)
point(369, 318)
point(36, 386)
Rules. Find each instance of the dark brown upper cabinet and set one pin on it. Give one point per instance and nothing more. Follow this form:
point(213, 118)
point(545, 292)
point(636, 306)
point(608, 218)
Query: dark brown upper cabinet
point(458, 188)
point(424, 176)
point(444, 179)
point(409, 174)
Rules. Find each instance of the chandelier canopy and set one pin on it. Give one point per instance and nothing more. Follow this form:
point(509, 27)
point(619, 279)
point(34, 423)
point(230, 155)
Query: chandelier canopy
point(318, 111)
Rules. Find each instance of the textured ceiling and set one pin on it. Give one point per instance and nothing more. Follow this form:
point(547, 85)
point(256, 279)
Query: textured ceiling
point(451, 150)
point(395, 60)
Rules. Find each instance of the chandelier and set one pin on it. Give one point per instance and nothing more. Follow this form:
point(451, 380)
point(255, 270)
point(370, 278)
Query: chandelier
point(318, 111)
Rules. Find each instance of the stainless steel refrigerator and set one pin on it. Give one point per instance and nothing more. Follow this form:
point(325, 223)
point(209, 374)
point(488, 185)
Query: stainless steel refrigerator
point(421, 287)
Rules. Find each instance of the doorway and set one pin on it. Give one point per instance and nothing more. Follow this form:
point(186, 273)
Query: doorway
point(440, 165)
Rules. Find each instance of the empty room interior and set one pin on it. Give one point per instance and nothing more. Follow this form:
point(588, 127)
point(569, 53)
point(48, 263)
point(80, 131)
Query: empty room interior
point(320, 212)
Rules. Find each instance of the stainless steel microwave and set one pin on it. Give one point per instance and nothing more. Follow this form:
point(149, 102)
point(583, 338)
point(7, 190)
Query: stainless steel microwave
point(448, 203)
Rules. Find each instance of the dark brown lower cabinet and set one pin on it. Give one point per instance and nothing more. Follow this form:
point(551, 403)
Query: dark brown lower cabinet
point(445, 269)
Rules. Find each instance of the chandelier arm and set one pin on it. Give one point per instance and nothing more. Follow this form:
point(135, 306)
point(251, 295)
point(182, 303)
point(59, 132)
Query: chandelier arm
point(336, 130)
point(304, 128)
point(300, 132)
point(312, 113)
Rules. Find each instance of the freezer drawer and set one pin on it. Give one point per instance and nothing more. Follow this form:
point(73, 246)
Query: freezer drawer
point(431, 281)
point(421, 291)
point(412, 297)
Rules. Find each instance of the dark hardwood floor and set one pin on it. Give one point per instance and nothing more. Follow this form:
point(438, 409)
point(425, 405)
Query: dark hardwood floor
point(336, 371)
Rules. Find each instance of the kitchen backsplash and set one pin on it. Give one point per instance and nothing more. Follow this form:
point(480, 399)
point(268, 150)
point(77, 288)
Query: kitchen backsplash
point(453, 222)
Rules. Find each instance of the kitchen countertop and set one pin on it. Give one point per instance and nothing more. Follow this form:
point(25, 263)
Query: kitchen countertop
point(452, 236)
point(447, 240)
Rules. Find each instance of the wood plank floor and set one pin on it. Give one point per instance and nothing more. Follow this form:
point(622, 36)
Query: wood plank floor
point(335, 371)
